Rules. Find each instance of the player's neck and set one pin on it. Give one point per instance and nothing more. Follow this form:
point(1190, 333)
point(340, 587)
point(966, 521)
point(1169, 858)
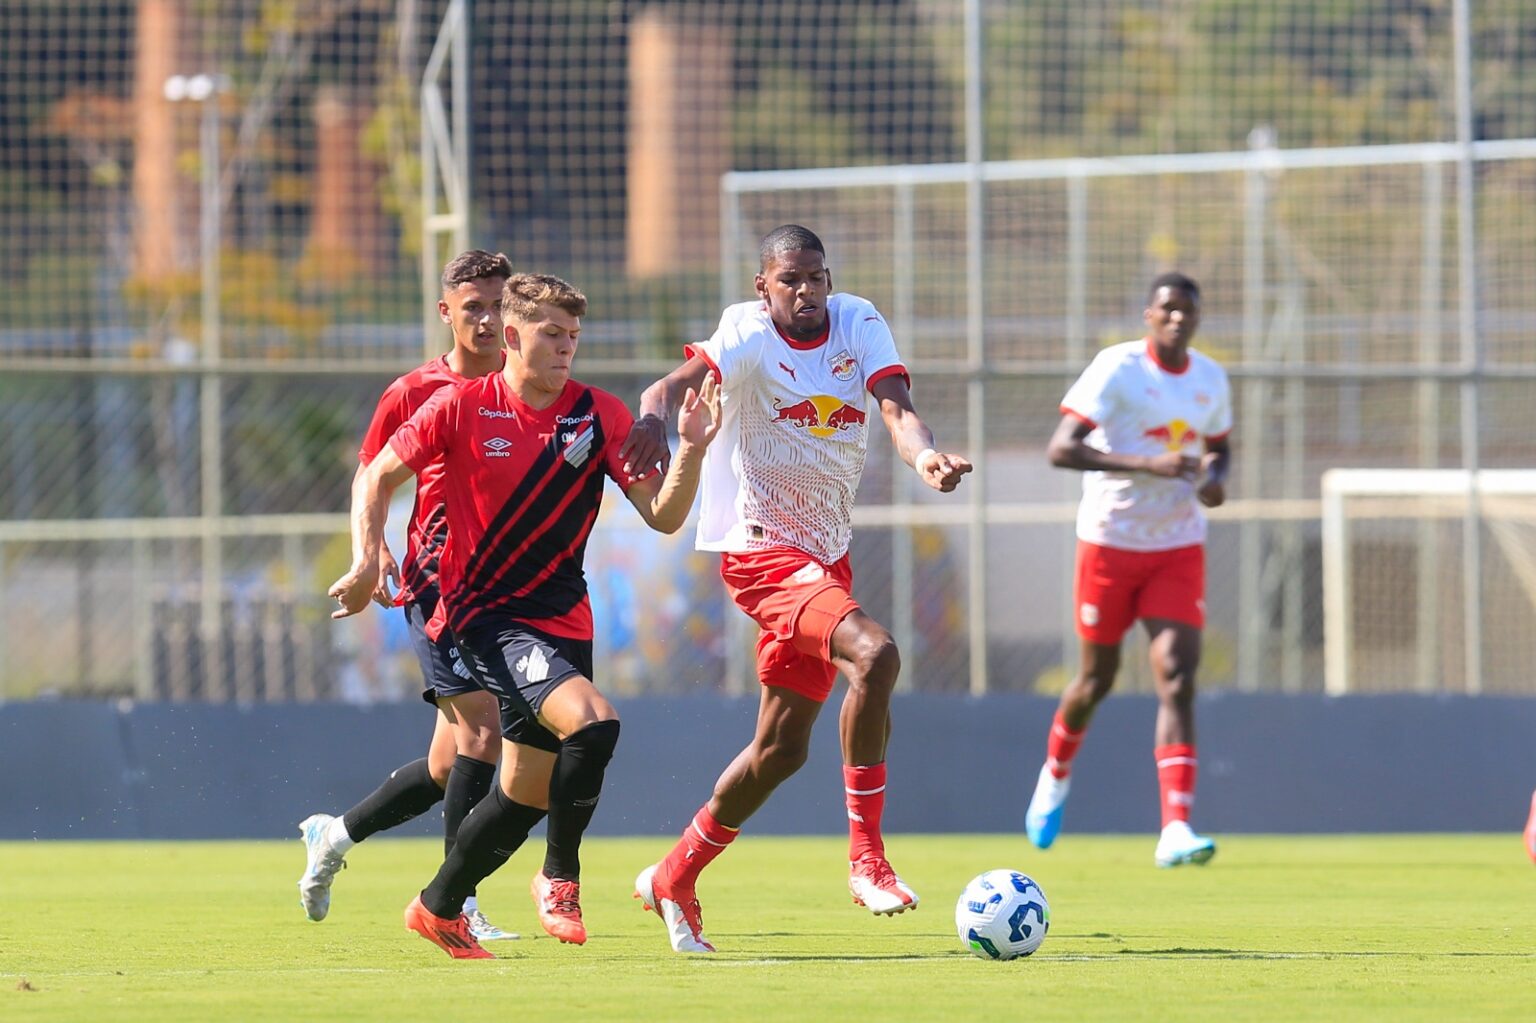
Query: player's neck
point(804, 335)
point(1171, 357)
point(468, 364)
point(528, 389)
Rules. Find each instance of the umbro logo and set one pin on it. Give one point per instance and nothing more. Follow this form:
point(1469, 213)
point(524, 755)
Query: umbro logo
point(496, 447)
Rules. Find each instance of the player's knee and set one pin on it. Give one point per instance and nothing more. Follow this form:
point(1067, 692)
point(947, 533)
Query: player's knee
point(1178, 682)
point(876, 661)
point(480, 744)
point(595, 743)
point(783, 756)
point(1095, 684)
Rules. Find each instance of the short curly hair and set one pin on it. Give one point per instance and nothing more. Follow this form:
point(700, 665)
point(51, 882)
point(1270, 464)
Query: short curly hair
point(522, 295)
point(475, 265)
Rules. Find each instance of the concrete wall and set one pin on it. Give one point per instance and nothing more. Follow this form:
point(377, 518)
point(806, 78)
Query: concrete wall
point(1268, 764)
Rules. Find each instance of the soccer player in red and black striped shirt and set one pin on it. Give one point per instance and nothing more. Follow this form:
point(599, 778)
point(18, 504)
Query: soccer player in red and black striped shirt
point(460, 765)
point(525, 453)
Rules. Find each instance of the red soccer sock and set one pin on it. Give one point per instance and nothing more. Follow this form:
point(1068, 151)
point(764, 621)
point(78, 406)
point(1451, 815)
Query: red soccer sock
point(864, 789)
point(703, 840)
point(1062, 746)
point(1176, 769)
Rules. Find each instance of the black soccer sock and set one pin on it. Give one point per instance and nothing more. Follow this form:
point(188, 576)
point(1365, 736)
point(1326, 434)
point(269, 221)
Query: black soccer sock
point(488, 837)
point(573, 792)
point(407, 793)
point(469, 782)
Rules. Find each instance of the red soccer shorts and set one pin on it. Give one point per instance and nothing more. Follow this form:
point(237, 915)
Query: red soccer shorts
point(1115, 587)
point(797, 602)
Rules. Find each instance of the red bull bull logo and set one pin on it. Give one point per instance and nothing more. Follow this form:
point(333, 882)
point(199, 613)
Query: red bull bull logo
point(822, 415)
point(1175, 436)
point(846, 417)
point(801, 413)
point(842, 365)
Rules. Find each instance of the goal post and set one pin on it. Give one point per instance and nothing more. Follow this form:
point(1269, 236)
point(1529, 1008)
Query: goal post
point(1392, 540)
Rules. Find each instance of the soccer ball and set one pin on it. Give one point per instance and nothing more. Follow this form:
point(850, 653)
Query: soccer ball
point(1002, 914)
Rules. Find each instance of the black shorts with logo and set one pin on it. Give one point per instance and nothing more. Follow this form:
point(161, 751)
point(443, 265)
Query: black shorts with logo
point(521, 666)
point(443, 673)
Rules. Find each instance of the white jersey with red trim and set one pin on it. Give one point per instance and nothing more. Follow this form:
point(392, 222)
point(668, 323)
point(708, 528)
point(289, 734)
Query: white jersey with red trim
point(786, 464)
point(1138, 407)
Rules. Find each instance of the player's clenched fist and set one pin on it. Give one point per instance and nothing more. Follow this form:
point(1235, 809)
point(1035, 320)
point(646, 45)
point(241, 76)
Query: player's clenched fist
point(940, 471)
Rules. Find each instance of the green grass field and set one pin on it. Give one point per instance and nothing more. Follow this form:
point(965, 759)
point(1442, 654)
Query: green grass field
point(1396, 927)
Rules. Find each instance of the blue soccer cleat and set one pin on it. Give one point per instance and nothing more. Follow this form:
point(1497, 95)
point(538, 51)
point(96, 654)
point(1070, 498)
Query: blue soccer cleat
point(1042, 821)
point(1178, 845)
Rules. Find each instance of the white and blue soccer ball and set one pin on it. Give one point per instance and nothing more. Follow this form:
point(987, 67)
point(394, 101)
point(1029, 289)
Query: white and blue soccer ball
point(1002, 914)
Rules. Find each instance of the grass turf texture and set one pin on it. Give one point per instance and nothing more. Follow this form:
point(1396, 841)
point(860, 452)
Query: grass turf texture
point(1383, 927)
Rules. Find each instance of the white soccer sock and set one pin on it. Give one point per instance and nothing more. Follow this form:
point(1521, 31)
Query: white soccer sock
point(336, 836)
point(470, 905)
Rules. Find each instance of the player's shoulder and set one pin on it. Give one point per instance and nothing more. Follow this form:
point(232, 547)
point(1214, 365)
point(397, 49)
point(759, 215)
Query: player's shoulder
point(745, 316)
point(1205, 364)
point(424, 379)
point(1120, 356)
point(605, 403)
point(851, 310)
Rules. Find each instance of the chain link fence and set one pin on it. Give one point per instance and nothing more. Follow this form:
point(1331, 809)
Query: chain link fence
point(216, 217)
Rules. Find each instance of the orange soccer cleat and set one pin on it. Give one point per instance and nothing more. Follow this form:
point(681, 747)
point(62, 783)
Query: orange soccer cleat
point(452, 936)
point(559, 905)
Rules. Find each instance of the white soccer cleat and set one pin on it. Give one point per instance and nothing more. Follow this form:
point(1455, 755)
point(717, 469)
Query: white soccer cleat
point(1179, 845)
point(320, 870)
point(875, 886)
point(684, 918)
point(484, 930)
point(1042, 821)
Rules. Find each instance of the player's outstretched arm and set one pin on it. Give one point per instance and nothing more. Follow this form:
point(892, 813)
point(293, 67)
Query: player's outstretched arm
point(664, 501)
point(1069, 449)
point(371, 490)
point(645, 449)
point(913, 440)
point(389, 569)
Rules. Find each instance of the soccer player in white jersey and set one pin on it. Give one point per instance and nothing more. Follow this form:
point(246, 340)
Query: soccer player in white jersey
point(796, 370)
point(1147, 424)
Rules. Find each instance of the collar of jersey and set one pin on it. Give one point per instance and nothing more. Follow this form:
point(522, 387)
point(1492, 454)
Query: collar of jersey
point(523, 408)
point(805, 346)
point(1152, 354)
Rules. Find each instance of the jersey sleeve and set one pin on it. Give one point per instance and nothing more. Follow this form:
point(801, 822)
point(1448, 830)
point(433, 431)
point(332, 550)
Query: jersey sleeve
point(1221, 409)
point(424, 437)
point(877, 348)
point(387, 417)
point(617, 422)
point(1092, 397)
point(730, 352)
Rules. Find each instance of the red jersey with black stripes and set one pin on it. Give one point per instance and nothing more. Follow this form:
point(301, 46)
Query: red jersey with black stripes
point(429, 520)
point(522, 488)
